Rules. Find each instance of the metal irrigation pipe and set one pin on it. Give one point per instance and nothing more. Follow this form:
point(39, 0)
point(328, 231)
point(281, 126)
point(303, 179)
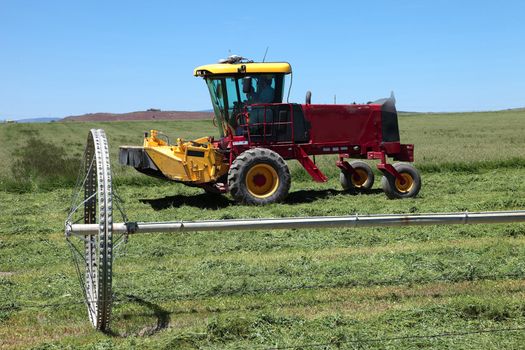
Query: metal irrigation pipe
point(353, 221)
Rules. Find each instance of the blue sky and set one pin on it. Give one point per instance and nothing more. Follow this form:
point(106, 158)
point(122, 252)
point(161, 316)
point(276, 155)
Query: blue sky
point(60, 58)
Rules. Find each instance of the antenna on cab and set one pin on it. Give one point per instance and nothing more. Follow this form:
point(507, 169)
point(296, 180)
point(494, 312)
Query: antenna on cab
point(265, 52)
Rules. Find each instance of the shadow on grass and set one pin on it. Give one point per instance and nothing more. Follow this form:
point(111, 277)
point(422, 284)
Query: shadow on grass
point(217, 201)
point(308, 196)
point(162, 316)
point(202, 201)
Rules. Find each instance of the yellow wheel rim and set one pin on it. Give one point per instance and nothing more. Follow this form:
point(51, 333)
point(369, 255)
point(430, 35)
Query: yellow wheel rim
point(262, 180)
point(359, 177)
point(407, 184)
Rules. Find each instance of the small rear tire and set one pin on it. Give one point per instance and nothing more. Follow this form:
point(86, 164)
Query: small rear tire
point(259, 176)
point(396, 189)
point(361, 180)
point(212, 189)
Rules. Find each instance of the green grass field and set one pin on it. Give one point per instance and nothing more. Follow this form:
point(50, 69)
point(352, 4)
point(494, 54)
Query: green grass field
point(446, 287)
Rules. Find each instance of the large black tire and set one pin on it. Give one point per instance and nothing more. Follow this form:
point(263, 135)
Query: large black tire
point(259, 176)
point(394, 189)
point(361, 180)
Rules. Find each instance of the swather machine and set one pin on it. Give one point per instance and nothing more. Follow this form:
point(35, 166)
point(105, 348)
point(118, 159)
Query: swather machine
point(258, 132)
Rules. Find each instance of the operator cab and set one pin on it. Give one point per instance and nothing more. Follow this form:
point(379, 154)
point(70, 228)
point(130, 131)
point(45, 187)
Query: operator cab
point(237, 85)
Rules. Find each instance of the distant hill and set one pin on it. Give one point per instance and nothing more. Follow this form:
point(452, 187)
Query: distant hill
point(32, 120)
point(518, 109)
point(156, 114)
point(141, 115)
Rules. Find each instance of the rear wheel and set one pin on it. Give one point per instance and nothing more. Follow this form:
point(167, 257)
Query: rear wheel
point(259, 176)
point(409, 187)
point(361, 180)
point(216, 188)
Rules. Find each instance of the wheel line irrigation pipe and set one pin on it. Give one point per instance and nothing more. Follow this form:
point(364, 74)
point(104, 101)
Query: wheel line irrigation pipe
point(351, 221)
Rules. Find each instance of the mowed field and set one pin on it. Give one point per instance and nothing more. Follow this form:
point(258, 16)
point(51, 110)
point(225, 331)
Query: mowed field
point(442, 287)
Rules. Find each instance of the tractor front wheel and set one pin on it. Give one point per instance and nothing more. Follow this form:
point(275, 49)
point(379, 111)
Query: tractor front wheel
point(361, 180)
point(409, 187)
point(259, 176)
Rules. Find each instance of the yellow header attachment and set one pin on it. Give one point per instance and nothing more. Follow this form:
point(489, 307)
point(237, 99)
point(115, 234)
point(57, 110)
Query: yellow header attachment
point(194, 161)
point(242, 68)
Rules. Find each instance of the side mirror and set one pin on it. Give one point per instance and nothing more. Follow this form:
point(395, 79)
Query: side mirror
point(308, 97)
point(247, 85)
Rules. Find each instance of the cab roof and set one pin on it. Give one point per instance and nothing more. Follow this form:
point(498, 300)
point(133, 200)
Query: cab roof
point(242, 68)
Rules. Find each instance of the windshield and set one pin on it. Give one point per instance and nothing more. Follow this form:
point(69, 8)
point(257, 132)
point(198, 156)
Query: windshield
point(230, 94)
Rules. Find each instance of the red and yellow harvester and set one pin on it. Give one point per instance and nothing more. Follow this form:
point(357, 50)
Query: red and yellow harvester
point(258, 132)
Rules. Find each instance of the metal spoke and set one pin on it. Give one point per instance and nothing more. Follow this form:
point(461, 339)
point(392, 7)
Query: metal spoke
point(77, 221)
point(75, 249)
point(78, 206)
point(121, 240)
point(81, 186)
point(80, 256)
point(79, 274)
point(118, 202)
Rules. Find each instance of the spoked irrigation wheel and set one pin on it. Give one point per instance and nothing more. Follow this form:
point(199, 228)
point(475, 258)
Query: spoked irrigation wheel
point(92, 203)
